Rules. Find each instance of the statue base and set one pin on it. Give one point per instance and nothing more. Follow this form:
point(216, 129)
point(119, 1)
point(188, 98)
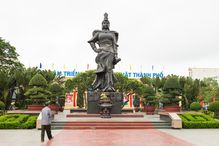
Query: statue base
point(93, 102)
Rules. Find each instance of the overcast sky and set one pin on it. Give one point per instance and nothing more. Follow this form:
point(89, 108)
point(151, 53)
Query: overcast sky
point(171, 35)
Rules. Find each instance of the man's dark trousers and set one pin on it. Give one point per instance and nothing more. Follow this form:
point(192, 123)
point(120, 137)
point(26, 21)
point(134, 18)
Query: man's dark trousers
point(46, 128)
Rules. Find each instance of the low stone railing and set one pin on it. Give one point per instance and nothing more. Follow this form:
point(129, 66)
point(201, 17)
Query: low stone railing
point(176, 121)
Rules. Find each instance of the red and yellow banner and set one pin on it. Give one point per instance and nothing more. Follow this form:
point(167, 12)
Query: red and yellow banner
point(71, 100)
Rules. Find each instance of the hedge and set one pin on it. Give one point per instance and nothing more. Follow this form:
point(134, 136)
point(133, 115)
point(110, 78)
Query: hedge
point(198, 121)
point(17, 121)
point(214, 106)
point(195, 106)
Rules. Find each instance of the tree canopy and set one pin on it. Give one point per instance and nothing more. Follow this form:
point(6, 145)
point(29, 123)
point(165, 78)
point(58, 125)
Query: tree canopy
point(38, 92)
point(38, 80)
point(8, 56)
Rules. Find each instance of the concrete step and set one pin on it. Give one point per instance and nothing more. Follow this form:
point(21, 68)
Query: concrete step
point(110, 125)
point(74, 115)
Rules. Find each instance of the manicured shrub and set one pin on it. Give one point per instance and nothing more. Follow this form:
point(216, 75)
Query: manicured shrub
point(2, 105)
point(171, 91)
point(38, 92)
point(214, 106)
point(17, 121)
point(38, 80)
point(56, 91)
point(209, 113)
point(195, 106)
point(198, 121)
point(30, 123)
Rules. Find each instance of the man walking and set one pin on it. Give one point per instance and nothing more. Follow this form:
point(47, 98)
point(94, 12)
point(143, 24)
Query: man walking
point(46, 122)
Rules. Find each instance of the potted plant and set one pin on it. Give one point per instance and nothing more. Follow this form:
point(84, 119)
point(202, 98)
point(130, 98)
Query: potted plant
point(37, 93)
point(136, 103)
point(150, 100)
point(137, 89)
point(56, 93)
point(171, 94)
point(61, 102)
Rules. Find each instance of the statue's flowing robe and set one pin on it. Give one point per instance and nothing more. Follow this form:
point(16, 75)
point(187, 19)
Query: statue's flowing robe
point(105, 79)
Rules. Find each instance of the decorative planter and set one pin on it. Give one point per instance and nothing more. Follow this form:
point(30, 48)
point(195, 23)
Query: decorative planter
point(35, 107)
point(174, 108)
point(149, 109)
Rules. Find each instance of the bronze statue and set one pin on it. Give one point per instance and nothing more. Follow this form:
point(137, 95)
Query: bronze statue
point(107, 56)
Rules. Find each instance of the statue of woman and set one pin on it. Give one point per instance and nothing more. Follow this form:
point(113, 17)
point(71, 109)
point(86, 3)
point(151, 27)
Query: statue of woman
point(107, 56)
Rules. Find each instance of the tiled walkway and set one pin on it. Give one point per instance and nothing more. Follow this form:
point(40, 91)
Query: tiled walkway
point(114, 137)
point(148, 137)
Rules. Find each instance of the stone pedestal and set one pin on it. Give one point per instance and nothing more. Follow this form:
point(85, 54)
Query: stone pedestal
point(93, 98)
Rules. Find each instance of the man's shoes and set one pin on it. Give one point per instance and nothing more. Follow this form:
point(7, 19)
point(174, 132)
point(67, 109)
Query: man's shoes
point(42, 143)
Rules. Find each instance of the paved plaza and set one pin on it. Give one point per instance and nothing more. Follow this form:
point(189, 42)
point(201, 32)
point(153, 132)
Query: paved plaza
point(147, 137)
point(112, 137)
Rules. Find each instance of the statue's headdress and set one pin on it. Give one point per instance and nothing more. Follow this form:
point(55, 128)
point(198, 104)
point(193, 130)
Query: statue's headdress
point(105, 18)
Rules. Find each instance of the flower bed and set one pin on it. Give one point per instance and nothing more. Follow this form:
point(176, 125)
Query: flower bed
point(17, 121)
point(190, 120)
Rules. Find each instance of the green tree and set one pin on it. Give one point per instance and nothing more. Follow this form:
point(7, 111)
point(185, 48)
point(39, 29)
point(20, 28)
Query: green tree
point(197, 88)
point(171, 91)
point(56, 92)
point(7, 87)
point(82, 82)
point(38, 92)
point(157, 83)
point(23, 77)
point(27, 74)
point(4, 86)
point(209, 89)
point(136, 87)
point(69, 85)
point(122, 82)
point(48, 75)
point(60, 80)
point(150, 96)
point(190, 89)
point(153, 89)
point(186, 85)
point(8, 56)
point(217, 95)
point(146, 80)
point(9, 63)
